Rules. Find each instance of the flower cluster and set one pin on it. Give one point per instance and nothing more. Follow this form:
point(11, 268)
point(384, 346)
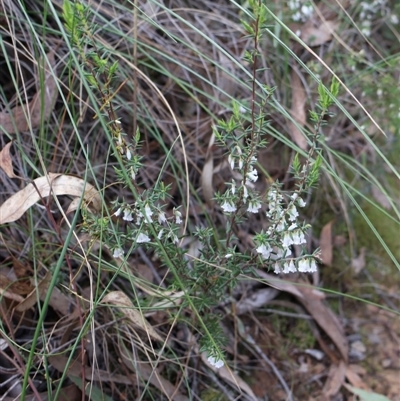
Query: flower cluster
point(217, 363)
point(241, 197)
point(143, 215)
point(245, 191)
point(303, 10)
point(371, 9)
point(275, 245)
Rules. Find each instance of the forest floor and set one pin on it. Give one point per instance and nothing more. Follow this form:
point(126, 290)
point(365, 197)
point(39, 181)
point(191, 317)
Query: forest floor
point(331, 335)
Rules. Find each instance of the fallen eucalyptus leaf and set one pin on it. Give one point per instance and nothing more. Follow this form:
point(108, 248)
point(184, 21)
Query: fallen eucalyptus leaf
point(298, 111)
point(121, 300)
point(15, 206)
point(24, 117)
point(6, 161)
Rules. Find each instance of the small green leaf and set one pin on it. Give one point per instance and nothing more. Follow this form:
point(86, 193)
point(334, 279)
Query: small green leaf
point(296, 164)
point(323, 96)
point(230, 124)
point(262, 15)
point(80, 9)
point(236, 110)
point(317, 164)
point(335, 87)
point(314, 116)
point(314, 173)
point(248, 56)
point(249, 29)
point(113, 69)
point(68, 15)
point(90, 78)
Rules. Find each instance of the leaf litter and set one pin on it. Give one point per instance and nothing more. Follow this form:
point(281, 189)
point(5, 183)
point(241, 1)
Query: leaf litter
point(6, 161)
point(312, 300)
point(298, 111)
point(122, 301)
point(29, 116)
point(58, 184)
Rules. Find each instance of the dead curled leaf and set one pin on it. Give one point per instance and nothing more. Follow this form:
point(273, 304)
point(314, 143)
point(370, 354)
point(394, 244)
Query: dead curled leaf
point(256, 300)
point(148, 374)
point(335, 380)
point(20, 287)
point(298, 111)
point(281, 285)
point(24, 117)
point(6, 161)
point(59, 302)
point(32, 298)
point(381, 198)
point(59, 362)
point(316, 34)
point(121, 300)
point(229, 376)
point(354, 378)
point(224, 81)
point(326, 244)
point(15, 206)
point(208, 173)
point(6, 290)
point(69, 393)
point(358, 263)
point(312, 299)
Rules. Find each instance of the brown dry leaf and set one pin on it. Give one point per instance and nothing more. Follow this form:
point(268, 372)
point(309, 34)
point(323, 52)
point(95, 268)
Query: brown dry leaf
point(354, 378)
point(326, 244)
point(328, 12)
point(69, 393)
point(21, 287)
point(381, 198)
point(171, 300)
point(335, 380)
point(20, 275)
point(392, 378)
point(121, 300)
point(74, 205)
point(358, 263)
point(147, 374)
point(225, 83)
point(59, 302)
point(6, 161)
point(326, 319)
point(59, 362)
point(6, 291)
point(312, 299)
point(298, 111)
point(230, 377)
point(317, 33)
point(144, 272)
point(339, 240)
point(281, 285)
point(15, 206)
point(17, 120)
point(208, 173)
point(21, 270)
point(32, 298)
point(255, 300)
